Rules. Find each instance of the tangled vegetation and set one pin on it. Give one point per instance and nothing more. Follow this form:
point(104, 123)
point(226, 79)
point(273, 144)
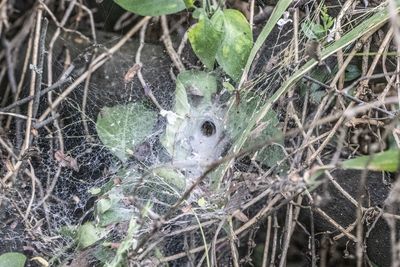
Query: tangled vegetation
point(199, 133)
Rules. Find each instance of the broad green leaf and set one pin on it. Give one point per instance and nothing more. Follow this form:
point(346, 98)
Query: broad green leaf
point(172, 177)
point(122, 127)
point(88, 234)
point(103, 205)
point(153, 7)
point(237, 41)
point(12, 259)
point(199, 84)
point(385, 161)
point(352, 72)
point(205, 41)
point(114, 215)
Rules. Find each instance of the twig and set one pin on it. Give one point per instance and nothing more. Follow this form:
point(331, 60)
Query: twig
point(274, 242)
point(7, 148)
point(267, 242)
point(288, 229)
point(168, 45)
point(56, 85)
point(147, 90)
point(33, 180)
point(16, 115)
point(39, 67)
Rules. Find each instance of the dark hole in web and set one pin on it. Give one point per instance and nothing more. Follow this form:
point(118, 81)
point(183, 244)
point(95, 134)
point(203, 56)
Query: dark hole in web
point(208, 128)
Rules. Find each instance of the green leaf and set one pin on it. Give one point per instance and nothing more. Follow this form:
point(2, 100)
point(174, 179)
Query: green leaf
point(198, 83)
point(268, 128)
point(384, 161)
point(205, 41)
point(95, 191)
point(103, 205)
point(12, 259)
point(236, 44)
point(122, 127)
point(88, 234)
point(172, 177)
point(153, 7)
point(129, 242)
point(115, 215)
point(313, 31)
point(228, 86)
point(352, 72)
point(189, 3)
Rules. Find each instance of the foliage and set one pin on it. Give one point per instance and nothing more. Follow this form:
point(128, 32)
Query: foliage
point(317, 31)
point(225, 37)
point(122, 127)
point(88, 234)
point(153, 7)
point(384, 161)
point(12, 259)
point(267, 129)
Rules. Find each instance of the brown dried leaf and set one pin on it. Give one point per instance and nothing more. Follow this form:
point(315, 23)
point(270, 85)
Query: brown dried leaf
point(238, 214)
point(66, 161)
point(131, 73)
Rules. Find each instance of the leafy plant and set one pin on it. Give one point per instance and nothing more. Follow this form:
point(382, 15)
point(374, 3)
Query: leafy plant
point(317, 31)
point(225, 36)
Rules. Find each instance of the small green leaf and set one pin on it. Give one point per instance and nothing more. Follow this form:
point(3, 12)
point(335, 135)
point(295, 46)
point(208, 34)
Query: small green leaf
point(88, 234)
point(384, 161)
point(313, 31)
point(103, 205)
point(267, 129)
point(189, 3)
point(12, 259)
point(237, 41)
point(352, 72)
point(205, 41)
point(153, 7)
point(115, 215)
point(229, 87)
point(202, 202)
point(122, 127)
point(199, 83)
point(95, 191)
point(129, 242)
point(172, 177)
